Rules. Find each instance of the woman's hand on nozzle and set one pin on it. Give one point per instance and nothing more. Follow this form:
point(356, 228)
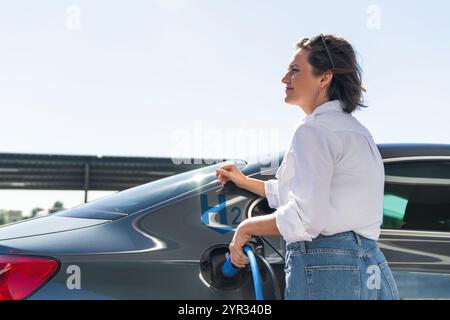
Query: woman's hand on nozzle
point(230, 172)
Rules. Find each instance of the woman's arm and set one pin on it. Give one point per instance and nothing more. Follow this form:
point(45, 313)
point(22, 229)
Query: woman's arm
point(262, 225)
point(255, 186)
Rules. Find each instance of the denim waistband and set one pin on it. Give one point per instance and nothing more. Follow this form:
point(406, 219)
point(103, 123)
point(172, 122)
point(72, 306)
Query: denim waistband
point(348, 238)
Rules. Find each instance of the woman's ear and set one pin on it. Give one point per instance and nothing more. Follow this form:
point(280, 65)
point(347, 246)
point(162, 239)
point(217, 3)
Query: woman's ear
point(326, 78)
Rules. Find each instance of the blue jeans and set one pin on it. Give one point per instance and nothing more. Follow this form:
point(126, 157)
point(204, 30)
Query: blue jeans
point(344, 266)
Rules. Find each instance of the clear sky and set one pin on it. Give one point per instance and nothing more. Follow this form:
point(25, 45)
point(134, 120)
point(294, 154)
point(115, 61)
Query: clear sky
point(202, 77)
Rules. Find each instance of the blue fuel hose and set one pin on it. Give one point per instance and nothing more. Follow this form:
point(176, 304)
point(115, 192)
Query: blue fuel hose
point(229, 270)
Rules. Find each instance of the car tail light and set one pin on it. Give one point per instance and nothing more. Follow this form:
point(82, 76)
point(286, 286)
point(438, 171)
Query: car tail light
point(21, 276)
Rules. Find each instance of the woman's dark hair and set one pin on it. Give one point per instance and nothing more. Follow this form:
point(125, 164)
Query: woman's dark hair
point(328, 52)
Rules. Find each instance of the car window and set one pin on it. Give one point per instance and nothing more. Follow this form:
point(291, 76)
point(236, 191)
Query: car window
point(147, 195)
point(417, 196)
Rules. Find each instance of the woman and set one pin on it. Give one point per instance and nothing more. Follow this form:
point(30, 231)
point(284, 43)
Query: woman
point(328, 191)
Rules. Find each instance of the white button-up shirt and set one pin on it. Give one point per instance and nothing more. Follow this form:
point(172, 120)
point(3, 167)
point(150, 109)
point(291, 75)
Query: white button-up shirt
point(331, 179)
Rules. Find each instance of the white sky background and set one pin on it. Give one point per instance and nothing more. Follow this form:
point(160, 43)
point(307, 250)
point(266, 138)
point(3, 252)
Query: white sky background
point(201, 78)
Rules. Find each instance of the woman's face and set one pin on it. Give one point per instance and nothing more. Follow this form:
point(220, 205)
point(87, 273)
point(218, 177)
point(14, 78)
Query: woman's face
point(302, 86)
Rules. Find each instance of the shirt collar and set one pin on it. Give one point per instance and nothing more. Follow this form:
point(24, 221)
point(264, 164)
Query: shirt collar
point(334, 105)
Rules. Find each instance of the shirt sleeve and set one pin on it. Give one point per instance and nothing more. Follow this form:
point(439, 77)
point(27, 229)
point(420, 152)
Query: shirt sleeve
point(272, 193)
point(305, 214)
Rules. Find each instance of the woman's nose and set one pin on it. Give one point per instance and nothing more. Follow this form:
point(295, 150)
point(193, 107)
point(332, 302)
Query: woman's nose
point(285, 79)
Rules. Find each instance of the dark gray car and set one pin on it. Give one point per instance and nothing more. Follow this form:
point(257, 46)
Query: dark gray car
point(155, 241)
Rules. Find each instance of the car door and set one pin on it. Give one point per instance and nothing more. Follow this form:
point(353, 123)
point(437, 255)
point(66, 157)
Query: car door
point(416, 226)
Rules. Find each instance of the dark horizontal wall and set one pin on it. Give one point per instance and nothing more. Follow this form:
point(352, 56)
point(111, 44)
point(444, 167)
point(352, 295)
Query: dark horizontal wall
point(67, 172)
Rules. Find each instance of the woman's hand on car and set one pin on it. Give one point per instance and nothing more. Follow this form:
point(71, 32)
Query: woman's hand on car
point(230, 172)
